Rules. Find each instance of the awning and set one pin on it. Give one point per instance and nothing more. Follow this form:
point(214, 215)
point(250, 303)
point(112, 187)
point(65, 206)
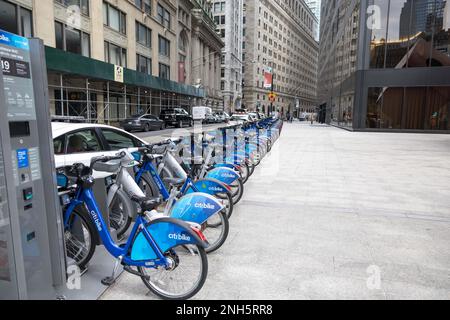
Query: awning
point(69, 63)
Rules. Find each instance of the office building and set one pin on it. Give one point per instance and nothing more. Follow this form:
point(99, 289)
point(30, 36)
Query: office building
point(315, 6)
point(385, 67)
point(279, 38)
point(206, 52)
point(228, 16)
point(110, 59)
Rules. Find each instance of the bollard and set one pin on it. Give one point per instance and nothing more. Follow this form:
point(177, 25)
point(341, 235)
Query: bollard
point(192, 149)
point(224, 139)
point(235, 146)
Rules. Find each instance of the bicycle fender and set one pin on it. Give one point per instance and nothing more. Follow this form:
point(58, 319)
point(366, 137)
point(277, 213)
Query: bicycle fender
point(196, 207)
point(209, 186)
point(112, 193)
point(224, 175)
point(167, 233)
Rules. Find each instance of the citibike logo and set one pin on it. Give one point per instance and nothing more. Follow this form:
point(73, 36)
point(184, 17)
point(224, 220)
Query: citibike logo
point(179, 237)
point(96, 220)
point(4, 38)
point(202, 205)
point(227, 175)
point(217, 189)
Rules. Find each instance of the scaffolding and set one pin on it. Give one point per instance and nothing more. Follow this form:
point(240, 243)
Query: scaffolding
point(108, 102)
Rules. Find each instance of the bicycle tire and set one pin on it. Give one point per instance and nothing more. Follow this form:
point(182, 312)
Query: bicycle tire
point(237, 196)
point(87, 223)
point(223, 236)
point(204, 274)
point(127, 212)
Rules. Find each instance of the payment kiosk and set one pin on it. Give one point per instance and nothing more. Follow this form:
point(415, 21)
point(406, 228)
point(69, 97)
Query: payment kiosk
point(32, 257)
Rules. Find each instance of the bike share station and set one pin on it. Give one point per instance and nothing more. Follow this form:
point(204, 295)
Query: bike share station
point(33, 262)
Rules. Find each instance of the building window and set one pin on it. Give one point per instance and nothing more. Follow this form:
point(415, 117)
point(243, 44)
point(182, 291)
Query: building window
point(163, 16)
point(164, 46)
point(143, 35)
point(415, 108)
point(144, 5)
point(82, 4)
point(143, 64)
point(164, 71)
point(16, 19)
point(114, 18)
point(72, 40)
point(115, 54)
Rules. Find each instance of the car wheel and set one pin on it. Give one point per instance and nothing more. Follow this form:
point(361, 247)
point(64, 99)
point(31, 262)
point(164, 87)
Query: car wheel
point(180, 124)
point(147, 128)
point(163, 126)
point(191, 124)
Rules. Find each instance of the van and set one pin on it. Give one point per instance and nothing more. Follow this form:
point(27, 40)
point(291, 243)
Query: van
point(200, 113)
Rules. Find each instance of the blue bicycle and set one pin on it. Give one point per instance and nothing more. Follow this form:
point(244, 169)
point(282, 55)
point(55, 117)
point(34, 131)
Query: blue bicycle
point(167, 254)
point(216, 227)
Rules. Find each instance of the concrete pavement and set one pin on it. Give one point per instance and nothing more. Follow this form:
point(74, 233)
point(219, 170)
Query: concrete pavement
point(333, 214)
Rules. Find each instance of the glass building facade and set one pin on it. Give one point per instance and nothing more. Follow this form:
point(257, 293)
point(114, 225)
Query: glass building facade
point(400, 79)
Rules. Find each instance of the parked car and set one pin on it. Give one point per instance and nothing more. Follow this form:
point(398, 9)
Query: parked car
point(241, 118)
point(144, 122)
point(79, 143)
point(255, 116)
point(177, 117)
point(223, 117)
point(200, 113)
point(302, 116)
point(211, 118)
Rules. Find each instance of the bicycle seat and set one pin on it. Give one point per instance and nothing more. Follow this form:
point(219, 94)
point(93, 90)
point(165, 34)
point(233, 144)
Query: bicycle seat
point(175, 182)
point(147, 204)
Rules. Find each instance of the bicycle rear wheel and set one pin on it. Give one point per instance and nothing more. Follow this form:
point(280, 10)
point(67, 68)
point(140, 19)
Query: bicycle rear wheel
point(184, 280)
point(237, 191)
point(216, 230)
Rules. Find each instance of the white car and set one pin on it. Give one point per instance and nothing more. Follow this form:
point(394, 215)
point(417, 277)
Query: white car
point(80, 142)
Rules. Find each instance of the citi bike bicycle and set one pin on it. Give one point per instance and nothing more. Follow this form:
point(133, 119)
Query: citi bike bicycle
point(166, 253)
point(216, 228)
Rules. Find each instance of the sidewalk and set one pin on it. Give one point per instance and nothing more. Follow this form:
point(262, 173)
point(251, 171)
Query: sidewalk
point(345, 210)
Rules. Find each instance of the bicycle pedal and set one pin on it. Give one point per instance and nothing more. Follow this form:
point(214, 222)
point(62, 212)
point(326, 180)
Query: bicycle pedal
point(108, 281)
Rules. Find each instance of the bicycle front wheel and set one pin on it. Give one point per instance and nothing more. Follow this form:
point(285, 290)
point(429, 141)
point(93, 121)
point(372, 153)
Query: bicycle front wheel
point(184, 280)
point(79, 237)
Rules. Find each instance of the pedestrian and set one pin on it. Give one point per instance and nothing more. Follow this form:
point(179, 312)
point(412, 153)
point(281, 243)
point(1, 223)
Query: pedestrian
point(312, 119)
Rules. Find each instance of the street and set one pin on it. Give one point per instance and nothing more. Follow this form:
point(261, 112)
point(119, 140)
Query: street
point(157, 136)
point(332, 214)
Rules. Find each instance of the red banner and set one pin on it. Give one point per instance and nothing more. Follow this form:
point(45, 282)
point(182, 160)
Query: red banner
point(181, 72)
point(268, 78)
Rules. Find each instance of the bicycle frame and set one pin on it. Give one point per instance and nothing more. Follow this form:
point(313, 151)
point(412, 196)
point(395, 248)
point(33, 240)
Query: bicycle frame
point(189, 187)
point(86, 197)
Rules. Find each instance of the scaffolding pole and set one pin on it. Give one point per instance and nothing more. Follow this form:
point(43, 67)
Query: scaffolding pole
point(108, 102)
point(61, 83)
point(88, 103)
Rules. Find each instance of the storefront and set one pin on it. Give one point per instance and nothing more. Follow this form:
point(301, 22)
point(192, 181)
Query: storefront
point(88, 88)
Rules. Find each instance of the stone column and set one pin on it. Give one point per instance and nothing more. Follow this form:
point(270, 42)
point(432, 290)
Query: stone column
point(97, 42)
point(44, 21)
